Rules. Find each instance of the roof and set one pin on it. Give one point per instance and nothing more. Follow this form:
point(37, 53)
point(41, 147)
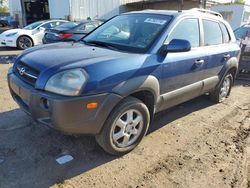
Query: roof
point(150, 11)
point(195, 11)
point(156, 1)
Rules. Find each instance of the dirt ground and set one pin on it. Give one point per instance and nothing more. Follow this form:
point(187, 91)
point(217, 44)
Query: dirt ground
point(196, 144)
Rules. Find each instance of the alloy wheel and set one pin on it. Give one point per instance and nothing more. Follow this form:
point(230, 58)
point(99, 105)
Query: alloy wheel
point(25, 42)
point(225, 88)
point(127, 128)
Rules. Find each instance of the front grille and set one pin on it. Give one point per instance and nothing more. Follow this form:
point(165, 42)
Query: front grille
point(26, 73)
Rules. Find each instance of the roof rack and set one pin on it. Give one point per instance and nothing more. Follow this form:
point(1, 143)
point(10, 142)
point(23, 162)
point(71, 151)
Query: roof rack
point(207, 11)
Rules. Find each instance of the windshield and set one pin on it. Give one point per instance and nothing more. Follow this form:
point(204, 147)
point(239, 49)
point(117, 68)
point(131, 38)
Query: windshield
point(242, 32)
point(33, 25)
point(67, 26)
point(134, 32)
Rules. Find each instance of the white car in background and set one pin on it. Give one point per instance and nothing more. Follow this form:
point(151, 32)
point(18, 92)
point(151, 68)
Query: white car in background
point(29, 36)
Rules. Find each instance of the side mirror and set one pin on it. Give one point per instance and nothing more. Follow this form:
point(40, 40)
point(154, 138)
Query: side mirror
point(177, 45)
point(42, 29)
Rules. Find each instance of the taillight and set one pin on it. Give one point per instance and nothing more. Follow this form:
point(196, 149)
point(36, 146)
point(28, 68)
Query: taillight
point(65, 35)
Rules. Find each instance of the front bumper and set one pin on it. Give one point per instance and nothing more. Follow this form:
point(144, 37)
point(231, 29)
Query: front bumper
point(7, 41)
point(67, 114)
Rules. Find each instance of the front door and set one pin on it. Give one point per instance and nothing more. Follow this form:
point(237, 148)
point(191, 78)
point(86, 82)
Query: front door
point(183, 71)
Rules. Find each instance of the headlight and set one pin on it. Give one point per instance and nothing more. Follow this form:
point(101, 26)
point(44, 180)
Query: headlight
point(67, 83)
point(11, 34)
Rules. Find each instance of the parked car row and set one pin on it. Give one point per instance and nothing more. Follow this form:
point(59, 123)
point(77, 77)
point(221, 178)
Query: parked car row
point(71, 31)
point(47, 31)
point(8, 21)
point(242, 32)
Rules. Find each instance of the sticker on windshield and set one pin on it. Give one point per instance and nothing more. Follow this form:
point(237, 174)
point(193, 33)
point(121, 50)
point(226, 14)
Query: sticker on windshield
point(155, 21)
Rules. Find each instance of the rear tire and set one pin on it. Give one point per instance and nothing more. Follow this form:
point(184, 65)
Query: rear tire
point(224, 90)
point(125, 127)
point(24, 42)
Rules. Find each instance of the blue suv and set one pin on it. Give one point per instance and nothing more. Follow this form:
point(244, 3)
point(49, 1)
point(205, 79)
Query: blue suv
point(112, 82)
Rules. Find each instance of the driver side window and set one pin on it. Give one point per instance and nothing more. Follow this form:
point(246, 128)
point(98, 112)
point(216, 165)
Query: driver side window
point(187, 29)
point(47, 26)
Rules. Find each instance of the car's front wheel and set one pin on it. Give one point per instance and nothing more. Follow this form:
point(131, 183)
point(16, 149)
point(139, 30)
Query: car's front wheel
point(125, 127)
point(24, 42)
point(223, 91)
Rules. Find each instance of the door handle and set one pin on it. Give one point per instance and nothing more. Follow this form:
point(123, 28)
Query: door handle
point(199, 62)
point(226, 56)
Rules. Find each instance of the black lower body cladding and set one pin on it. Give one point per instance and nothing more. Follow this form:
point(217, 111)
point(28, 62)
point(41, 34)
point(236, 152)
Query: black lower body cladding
point(67, 114)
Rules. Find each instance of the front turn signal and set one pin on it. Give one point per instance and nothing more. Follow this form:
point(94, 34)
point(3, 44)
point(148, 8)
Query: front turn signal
point(92, 105)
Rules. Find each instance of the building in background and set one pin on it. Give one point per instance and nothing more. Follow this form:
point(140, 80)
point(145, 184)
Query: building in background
point(161, 5)
point(28, 11)
point(235, 14)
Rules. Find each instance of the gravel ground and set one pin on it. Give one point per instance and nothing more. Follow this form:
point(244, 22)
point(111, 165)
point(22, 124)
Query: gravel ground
point(196, 144)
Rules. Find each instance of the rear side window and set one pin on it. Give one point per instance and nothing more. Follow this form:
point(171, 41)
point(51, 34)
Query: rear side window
point(212, 33)
point(187, 29)
point(86, 27)
point(47, 25)
point(226, 36)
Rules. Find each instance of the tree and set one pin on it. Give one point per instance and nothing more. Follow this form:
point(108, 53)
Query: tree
point(4, 6)
point(239, 1)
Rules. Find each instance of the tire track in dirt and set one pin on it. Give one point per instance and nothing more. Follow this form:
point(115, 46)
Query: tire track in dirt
point(173, 164)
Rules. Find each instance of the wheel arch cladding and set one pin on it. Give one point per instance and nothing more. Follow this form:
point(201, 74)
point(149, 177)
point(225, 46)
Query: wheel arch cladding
point(145, 88)
point(231, 66)
point(148, 99)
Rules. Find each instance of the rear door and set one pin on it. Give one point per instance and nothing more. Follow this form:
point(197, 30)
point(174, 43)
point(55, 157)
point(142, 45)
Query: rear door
point(218, 50)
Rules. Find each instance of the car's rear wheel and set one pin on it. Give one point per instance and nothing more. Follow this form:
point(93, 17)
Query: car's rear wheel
point(125, 127)
point(24, 42)
point(223, 91)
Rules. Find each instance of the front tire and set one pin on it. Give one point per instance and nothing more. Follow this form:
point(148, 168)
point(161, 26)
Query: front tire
point(24, 42)
point(223, 91)
point(125, 127)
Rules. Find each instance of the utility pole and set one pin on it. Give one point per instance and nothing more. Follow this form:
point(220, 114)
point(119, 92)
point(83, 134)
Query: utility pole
point(180, 5)
point(204, 4)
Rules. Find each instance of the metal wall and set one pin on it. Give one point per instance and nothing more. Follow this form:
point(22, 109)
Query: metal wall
point(59, 9)
point(16, 11)
point(103, 9)
point(77, 9)
point(232, 13)
point(15, 6)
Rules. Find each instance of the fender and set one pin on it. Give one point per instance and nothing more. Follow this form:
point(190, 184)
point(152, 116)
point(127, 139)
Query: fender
point(141, 83)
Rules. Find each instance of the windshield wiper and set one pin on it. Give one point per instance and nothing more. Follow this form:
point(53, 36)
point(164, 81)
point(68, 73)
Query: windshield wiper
point(100, 43)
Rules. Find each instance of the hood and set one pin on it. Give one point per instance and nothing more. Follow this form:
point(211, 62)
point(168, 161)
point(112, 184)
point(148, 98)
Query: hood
point(19, 31)
point(99, 63)
point(61, 55)
point(11, 31)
